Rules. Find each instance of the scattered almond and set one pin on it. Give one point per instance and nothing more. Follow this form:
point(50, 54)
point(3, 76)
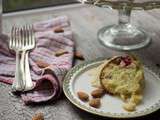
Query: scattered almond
point(60, 52)
point(42, 64)
point(97, 93)
point(79, 56)
point(58, 30)
point(38, 116)
point(95, 102)
point(83, 96)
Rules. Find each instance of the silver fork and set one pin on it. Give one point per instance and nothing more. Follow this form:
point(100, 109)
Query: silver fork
point(16, 45)
point(28, 43)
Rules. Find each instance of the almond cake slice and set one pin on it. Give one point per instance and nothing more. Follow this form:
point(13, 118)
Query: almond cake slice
point(123, 76)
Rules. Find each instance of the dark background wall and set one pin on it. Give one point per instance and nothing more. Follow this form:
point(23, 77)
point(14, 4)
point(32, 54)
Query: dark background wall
point(15, 5)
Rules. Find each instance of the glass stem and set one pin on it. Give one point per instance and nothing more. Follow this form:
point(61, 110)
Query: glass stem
point(124, 15)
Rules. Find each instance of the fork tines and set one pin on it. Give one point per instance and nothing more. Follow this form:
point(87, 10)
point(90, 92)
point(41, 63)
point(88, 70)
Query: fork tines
point(21, 36)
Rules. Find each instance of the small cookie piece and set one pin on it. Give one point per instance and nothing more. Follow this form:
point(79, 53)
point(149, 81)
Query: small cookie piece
point(83, 96)
point(97, 93)
point(95, 102)
point(58, 30)
point(38, 116)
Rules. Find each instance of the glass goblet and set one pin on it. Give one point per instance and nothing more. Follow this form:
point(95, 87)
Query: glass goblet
point(125, 36)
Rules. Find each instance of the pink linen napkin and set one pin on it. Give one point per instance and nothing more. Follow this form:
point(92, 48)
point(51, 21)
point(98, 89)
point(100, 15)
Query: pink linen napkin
point(48, 80)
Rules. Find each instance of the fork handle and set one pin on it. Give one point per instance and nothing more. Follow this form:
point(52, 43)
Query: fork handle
point(27, 80)
point(18, 84)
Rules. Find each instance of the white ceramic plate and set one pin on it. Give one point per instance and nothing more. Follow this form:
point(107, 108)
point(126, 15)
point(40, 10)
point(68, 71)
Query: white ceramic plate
point(79, 79)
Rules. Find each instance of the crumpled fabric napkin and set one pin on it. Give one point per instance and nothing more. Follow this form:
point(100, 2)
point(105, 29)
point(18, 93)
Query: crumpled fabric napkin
point(47, 69)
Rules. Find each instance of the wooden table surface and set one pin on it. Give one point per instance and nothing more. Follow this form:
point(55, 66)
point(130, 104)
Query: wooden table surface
point(86, 21)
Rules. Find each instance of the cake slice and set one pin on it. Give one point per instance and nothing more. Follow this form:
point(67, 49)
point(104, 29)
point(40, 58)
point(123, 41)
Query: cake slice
point(123, 76)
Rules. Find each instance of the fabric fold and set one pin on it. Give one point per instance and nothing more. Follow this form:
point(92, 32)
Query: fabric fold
point(47, 88)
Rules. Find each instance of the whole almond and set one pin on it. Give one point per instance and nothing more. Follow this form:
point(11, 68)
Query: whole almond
point(42, 64)
point(95, 102)
point(78, 55)
point(97, 93)
point(38, 116)
point(60, 52)
point(58, 30)
point(83, 96)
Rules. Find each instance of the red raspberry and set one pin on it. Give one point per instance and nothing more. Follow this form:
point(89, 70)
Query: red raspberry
point(127, 60)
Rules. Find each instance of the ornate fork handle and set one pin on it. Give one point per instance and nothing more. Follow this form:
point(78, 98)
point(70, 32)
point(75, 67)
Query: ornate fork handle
point(27, 77)
point(18, 84)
